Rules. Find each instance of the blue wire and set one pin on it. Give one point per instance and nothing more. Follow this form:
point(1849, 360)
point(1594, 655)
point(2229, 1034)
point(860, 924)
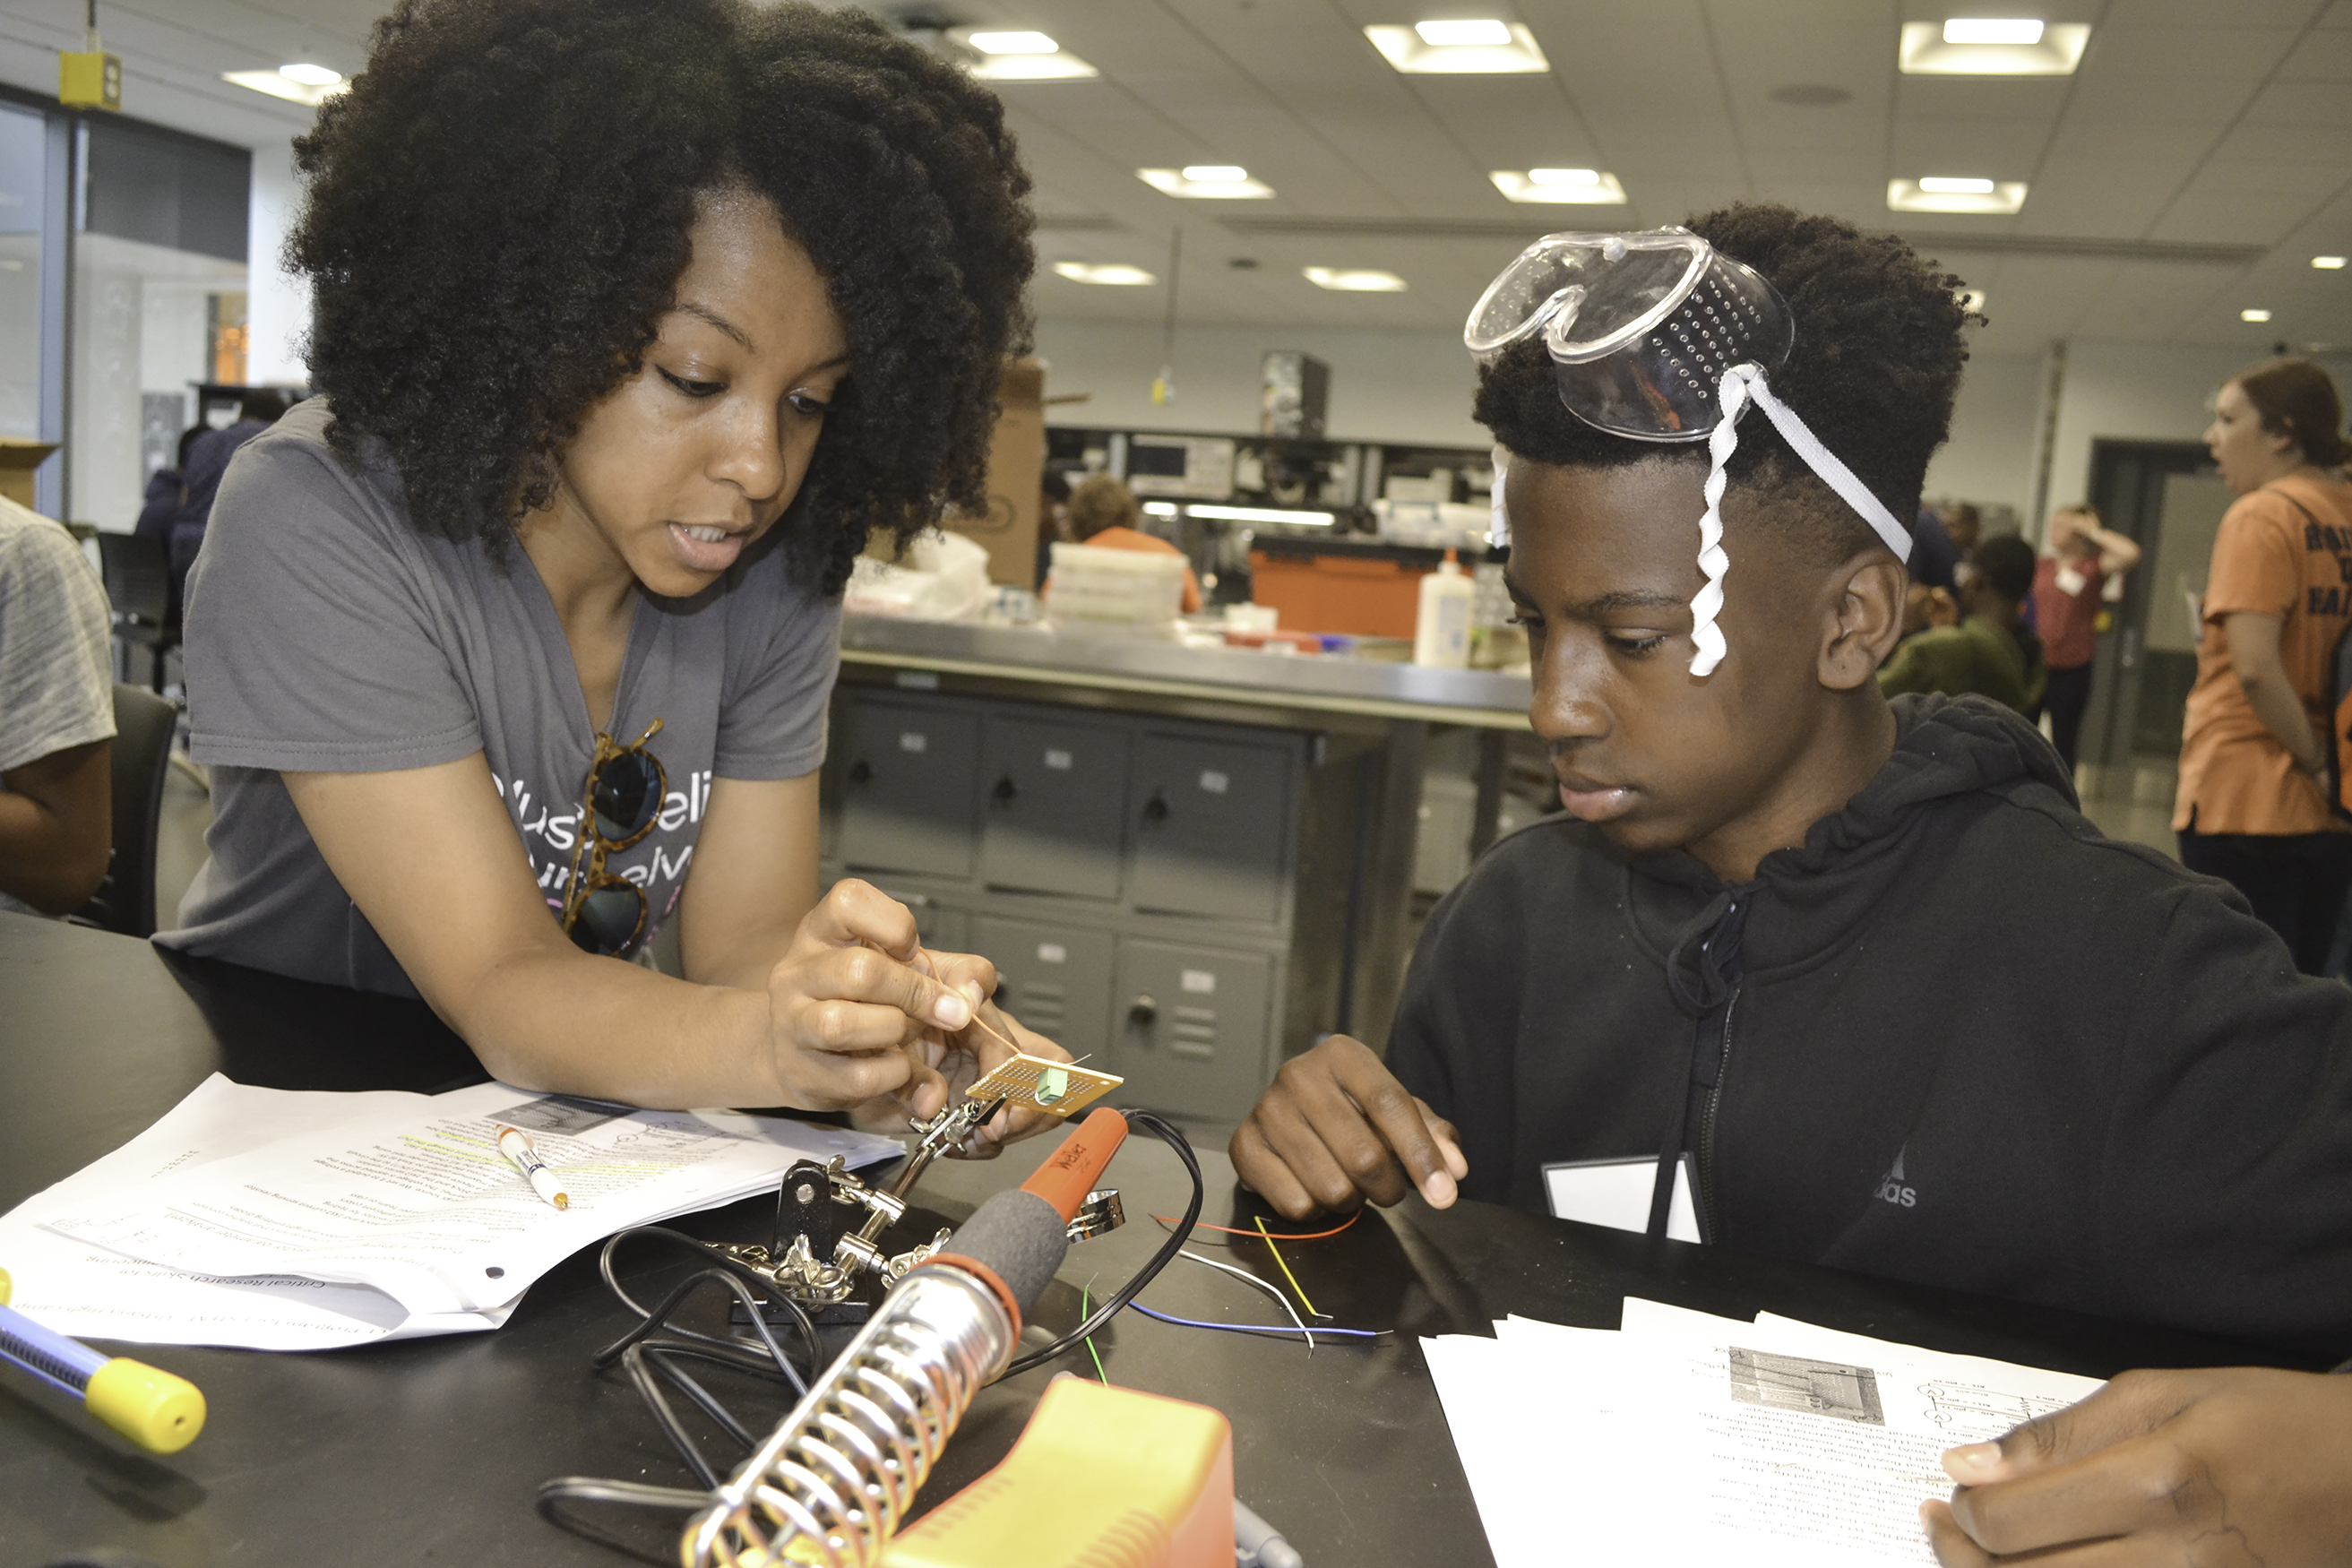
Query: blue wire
point(1283, 1329)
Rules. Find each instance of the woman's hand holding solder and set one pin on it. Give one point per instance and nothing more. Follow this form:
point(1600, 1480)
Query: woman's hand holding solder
point(1336, 1129)
point(863, 1019)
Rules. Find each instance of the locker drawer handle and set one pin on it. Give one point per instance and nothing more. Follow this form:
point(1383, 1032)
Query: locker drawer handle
point(1004, 791)
point(860, 772)
point(1155, 809)
point(1143, 1010)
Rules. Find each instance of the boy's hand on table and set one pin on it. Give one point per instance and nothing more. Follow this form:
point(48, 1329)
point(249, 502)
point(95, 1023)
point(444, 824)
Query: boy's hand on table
point(1337, 1127)
point(2212, 1468)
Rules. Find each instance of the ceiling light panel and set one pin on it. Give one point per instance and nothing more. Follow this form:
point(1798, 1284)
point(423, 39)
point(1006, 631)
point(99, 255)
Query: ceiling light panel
point(1112, 274)
point(2328, 263)
point(1355, 280)
point(1007, 54)
point(2018, 30)
point(304, 87)
point(1952, 194)
point(1240, 187)
point(1483, 34)
point(1593, 187)
point(1410, 50)
point(2253, 315)
point(1012, 43)
point(1992, 47)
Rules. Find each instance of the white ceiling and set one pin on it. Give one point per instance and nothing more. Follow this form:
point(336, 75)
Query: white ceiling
point(2191, 167)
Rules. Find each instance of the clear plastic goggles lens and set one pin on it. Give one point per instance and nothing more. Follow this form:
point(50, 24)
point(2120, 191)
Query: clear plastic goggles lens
point(1591, 286)
point(1641, 327)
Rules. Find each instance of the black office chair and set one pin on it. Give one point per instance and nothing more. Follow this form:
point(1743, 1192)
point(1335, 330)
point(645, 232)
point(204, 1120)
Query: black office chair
point(144, 726)
point(138, 574)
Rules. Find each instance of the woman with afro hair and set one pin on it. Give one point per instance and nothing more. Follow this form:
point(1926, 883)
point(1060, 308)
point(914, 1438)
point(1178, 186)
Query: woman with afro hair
point(632, 319)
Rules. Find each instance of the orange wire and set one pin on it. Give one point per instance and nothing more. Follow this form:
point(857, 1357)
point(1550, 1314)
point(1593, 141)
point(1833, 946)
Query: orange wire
point(1260, 1235)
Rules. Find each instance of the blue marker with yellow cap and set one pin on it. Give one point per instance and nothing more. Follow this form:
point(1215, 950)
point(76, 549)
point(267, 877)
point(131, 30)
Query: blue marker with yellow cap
point(158, 1411)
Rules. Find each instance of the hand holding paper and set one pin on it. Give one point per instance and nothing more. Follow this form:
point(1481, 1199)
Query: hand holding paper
point(2159, 1468)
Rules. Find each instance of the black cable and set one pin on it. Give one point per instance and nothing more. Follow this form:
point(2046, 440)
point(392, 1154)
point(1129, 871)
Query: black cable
point(649, 1352)
point(1116, 1301)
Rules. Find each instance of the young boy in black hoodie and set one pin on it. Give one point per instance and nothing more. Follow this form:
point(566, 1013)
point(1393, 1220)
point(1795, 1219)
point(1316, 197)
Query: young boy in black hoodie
point(1860, 966)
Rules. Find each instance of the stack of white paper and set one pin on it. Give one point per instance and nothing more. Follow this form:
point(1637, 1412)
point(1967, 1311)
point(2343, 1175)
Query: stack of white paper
point(1684, 1437)
point(272, 1219)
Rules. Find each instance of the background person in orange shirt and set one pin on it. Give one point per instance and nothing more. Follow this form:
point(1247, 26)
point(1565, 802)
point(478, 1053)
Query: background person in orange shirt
point(2255, 753)
point(1104, 513)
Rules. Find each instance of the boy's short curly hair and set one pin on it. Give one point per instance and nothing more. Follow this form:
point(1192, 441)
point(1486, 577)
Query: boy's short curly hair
point(1873, 370)
point(498, 211)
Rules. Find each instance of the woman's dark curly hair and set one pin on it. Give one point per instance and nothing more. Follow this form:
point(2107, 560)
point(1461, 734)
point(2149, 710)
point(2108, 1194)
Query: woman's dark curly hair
point(498, 211)
point(1873, 370)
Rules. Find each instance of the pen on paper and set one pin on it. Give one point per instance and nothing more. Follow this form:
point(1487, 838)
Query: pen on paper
point(517, 1147)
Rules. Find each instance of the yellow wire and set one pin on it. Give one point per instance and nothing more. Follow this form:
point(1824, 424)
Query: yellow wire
point(1286, 1274)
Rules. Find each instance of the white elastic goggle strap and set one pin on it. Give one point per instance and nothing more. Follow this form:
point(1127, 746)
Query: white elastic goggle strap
point(1498, 519)
point(1741, 382)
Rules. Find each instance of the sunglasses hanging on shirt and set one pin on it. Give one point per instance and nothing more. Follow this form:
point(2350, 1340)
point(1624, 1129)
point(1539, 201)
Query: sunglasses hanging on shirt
point(1657, 336)
point(603, 913)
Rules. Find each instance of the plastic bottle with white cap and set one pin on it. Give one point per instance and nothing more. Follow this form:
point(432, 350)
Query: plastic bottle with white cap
point(1440, 632)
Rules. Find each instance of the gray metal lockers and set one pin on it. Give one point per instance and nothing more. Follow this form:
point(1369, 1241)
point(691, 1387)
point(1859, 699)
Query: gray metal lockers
point(1135, 878)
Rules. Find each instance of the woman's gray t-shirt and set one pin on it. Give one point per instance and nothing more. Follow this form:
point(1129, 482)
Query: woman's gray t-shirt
point(326, 633)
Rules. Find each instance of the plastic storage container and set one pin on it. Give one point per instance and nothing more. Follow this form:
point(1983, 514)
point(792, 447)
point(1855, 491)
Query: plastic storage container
point(1123, 593)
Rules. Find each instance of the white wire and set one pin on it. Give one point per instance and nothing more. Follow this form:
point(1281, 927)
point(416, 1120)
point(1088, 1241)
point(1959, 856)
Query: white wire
point(1248, 1278)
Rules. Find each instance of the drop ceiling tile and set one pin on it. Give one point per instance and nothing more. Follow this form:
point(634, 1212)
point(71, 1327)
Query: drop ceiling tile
point(1997, 149)
point(1982, 97)
point(2221, 53)
point(2301, 103)
point(2180, 96)
point(2321, 57)
point(2214, 214)
point(2300, 147)
point(2081, 141)
point(2137, 14)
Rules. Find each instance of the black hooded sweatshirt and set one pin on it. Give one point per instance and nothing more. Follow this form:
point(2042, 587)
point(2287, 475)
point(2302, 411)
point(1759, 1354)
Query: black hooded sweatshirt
point(1958, 1037)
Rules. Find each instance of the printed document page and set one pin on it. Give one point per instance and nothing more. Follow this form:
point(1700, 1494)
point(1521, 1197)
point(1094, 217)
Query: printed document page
point(1692, 1438)
point(406, 1196)
point(88, 1292)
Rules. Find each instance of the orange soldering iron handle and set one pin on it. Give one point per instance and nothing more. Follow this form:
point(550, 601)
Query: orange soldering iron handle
point(1065, 1179)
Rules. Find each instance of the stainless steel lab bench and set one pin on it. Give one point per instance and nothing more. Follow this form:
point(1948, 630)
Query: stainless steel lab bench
point(1190, 863)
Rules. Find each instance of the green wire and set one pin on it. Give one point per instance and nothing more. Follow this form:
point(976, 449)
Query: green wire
point(1083, 1310)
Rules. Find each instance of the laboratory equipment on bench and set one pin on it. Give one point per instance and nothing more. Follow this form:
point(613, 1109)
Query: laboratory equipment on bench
point(158, 1410)
point(1440, 632)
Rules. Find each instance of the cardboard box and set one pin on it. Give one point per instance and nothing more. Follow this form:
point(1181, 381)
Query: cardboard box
point(18, 460)
point(1017, 470)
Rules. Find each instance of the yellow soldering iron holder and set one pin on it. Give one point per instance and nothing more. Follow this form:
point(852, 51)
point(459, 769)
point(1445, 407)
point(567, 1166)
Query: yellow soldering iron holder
point(1101, 1475)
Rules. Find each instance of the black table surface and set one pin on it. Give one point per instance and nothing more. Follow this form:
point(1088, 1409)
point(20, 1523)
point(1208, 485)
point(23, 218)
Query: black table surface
point(434, 1448)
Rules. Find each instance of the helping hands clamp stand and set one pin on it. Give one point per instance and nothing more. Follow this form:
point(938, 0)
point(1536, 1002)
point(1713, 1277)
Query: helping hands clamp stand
point(820, 1266)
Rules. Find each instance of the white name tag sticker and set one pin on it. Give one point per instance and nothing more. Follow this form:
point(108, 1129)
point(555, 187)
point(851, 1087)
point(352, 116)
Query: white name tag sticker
point(1616, 1192)
point(1052, 952)
point(1215, 783)
point(1058, 760)
point(1201, 980)
point(914, 740)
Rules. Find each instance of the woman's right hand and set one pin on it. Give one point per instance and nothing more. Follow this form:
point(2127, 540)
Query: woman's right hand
point(849, 1008)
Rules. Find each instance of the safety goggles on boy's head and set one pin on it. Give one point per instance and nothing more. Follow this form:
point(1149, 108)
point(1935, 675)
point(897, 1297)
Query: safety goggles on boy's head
point(1655, 336)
